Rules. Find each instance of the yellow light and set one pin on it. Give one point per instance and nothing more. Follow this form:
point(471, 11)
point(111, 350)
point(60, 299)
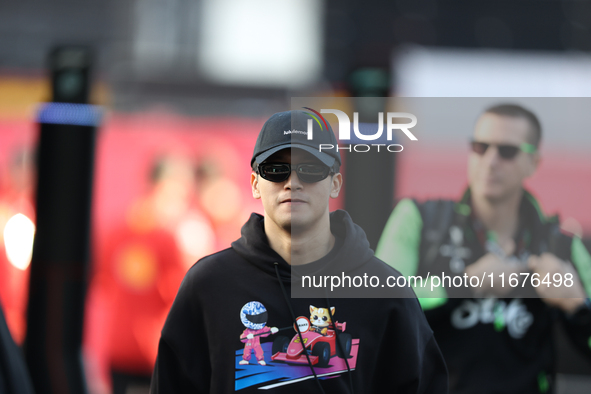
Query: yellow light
point(19, 233)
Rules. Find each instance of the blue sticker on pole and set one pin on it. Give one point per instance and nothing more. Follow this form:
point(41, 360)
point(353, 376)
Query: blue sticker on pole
point(70, 114)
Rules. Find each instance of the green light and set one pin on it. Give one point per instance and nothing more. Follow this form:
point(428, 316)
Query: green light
point(528, 148)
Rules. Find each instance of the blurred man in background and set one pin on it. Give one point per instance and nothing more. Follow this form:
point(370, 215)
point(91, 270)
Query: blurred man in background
point(501, 343)
point(140, 270)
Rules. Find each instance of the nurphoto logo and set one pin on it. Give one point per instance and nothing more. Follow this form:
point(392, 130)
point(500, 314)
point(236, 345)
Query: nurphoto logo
point(345, 130)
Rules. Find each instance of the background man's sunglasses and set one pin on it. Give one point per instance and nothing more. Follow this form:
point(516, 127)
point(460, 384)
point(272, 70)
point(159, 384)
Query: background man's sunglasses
point(505, 151)
point(279, 172)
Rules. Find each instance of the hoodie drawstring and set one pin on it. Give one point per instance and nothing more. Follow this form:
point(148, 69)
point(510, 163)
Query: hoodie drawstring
point(340, 345)
point(338, 342)
point(297, 327)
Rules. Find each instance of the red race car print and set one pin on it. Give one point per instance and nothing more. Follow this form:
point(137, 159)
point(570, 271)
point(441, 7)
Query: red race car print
point(320, 348)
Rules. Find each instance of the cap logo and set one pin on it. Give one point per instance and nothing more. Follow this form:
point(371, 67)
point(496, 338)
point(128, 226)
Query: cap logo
point(286, 132)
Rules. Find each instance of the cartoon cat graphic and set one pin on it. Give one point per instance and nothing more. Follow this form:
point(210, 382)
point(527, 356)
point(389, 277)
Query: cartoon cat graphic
point(320, 319)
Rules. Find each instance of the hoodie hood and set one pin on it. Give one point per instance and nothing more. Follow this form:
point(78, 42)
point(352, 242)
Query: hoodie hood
point(351, 249)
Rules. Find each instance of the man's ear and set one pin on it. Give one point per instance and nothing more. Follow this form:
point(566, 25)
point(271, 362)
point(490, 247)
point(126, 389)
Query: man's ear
point(254, 184)
point(534, 162)
point(336, 184)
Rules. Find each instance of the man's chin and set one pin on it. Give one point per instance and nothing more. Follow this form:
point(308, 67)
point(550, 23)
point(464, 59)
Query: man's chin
point(496, 196)
point(488, 192)
point(299, 225)
point(294, 224)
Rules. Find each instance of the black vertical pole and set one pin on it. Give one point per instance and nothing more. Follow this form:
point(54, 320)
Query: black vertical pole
point(61, 250)
point(369, 187)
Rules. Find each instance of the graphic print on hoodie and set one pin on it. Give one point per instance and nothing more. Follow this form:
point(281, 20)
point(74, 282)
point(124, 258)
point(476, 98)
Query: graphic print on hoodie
point(282, 361)
point(392, 347)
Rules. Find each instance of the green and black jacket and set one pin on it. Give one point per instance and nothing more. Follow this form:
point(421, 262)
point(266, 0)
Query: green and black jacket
point(490, 345)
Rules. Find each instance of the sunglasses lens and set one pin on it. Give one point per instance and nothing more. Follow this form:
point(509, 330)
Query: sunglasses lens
point(275, 172)
point(311, 173)
point(479, 147)
point(505, 151)
point(508, 151)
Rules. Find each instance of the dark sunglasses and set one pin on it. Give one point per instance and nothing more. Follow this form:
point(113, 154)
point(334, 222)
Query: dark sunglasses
point(279, 172)
point(505, 151)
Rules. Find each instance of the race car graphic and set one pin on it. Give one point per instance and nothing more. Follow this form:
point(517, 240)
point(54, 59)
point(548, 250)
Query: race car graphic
point(286, 361)
point(319, 348)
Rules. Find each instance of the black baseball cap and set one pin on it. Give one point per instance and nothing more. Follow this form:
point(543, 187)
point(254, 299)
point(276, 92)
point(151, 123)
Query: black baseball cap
point(289, 129)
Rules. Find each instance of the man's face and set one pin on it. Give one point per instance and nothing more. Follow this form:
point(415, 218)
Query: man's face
point(294, 205)
point(491, 176)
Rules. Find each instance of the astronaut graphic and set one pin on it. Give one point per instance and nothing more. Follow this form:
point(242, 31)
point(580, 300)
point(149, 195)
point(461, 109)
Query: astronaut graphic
point(254, 317)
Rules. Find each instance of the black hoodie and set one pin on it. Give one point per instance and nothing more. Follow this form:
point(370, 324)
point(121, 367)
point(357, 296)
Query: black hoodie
point(205, 346)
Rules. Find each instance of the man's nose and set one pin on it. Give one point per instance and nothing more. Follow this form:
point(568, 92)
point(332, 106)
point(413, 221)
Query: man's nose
point(492, 155)
point(293, 182)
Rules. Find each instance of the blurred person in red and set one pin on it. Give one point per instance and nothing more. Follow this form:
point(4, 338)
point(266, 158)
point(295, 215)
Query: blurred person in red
point(17, 229)
point(140, 269)
point(172, 204)
point(226, 205)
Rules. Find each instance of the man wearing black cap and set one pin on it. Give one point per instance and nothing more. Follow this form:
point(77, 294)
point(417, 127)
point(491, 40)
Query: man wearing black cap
point(233, 325)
